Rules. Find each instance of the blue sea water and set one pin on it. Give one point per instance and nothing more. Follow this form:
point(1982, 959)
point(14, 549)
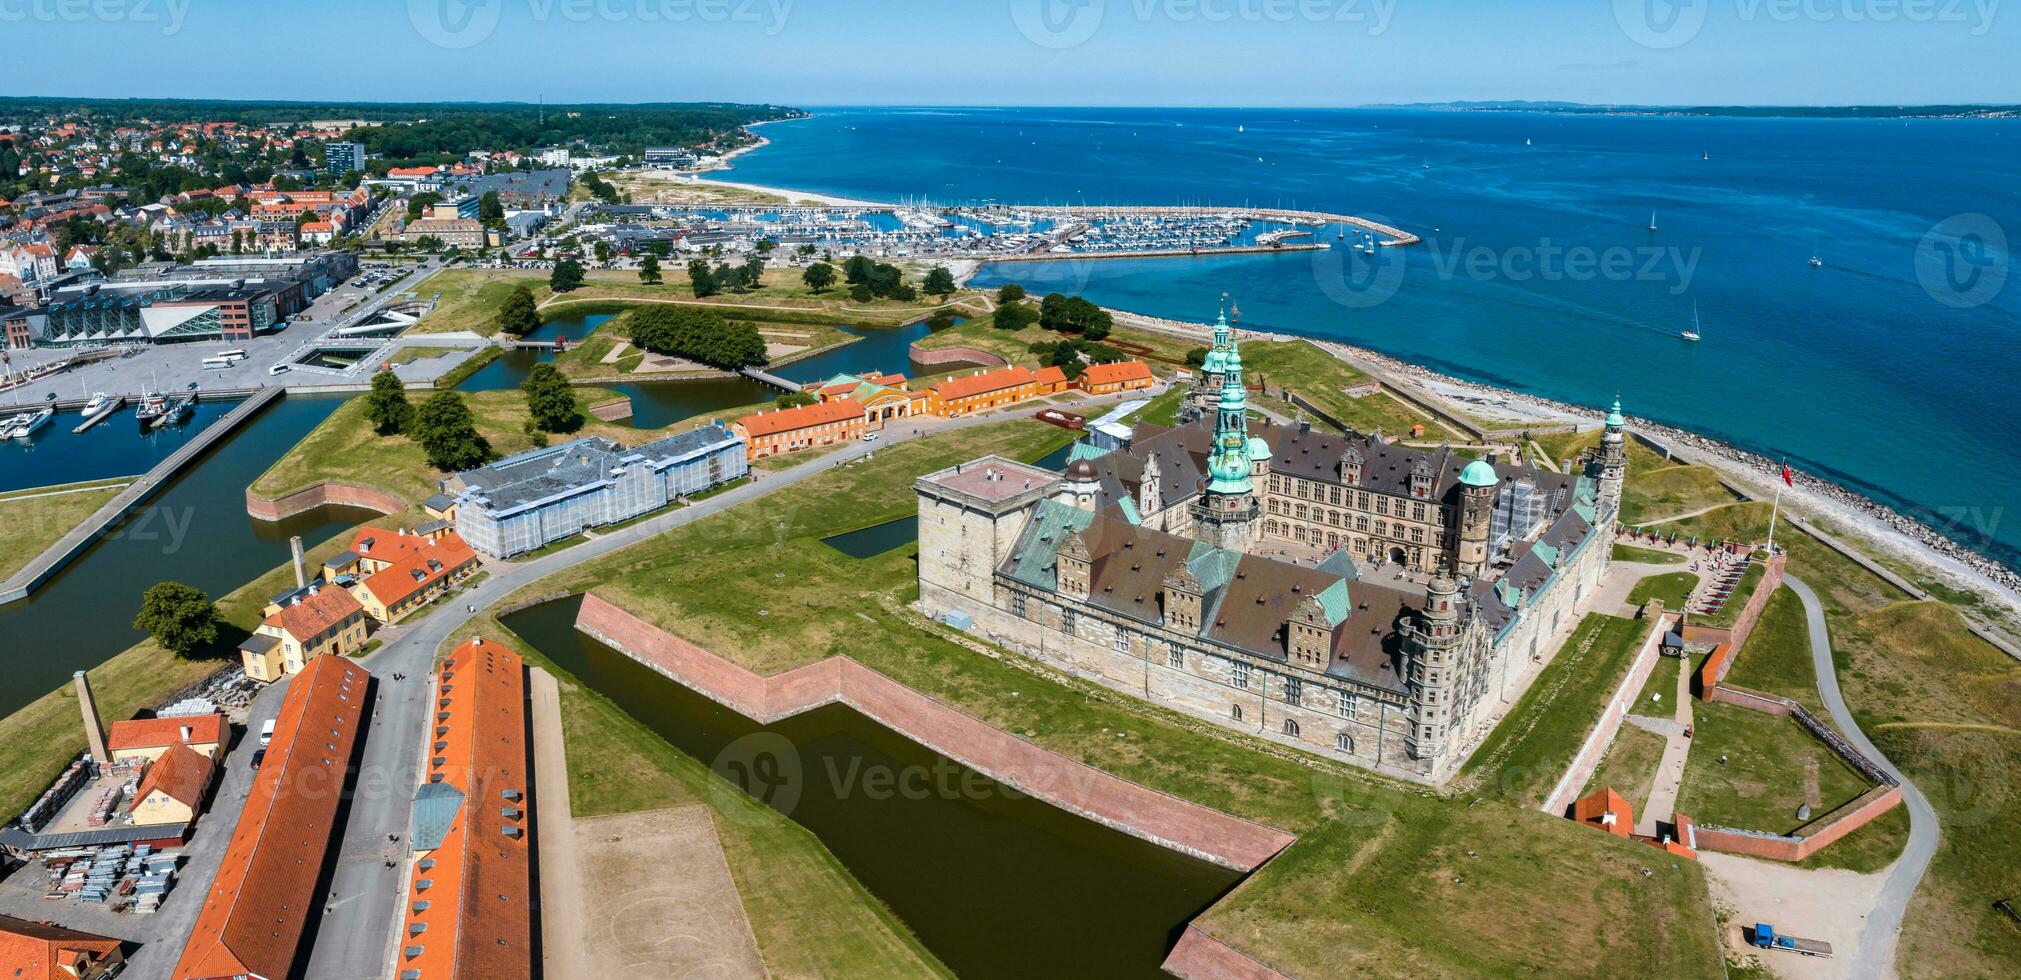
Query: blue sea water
point(1889, 369)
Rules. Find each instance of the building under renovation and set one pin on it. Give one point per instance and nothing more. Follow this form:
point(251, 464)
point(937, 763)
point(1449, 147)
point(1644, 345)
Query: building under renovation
point(525, 502)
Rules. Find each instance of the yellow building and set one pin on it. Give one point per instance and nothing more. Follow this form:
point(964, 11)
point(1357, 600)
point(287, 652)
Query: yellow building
point(314, 622)
point(150, 738)
point(173, 790)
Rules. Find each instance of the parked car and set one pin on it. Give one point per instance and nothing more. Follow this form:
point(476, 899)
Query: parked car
point(258, 758)
point(267, 732)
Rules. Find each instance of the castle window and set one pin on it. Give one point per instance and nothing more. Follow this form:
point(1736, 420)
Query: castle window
point(1345, 705)
point(1238, 673)
point(1344, 742)
point(1417, 512)
point(1235, 712)
point(1362, 497)
point(1176, 658)
point(1291, 728)
point(1417, 534)
point(1381, 528)
point(1294, 693)
point(1333, 495)
point(1067, 621)
point(1361, 523)
point(1018, 605)
point(1122, 640)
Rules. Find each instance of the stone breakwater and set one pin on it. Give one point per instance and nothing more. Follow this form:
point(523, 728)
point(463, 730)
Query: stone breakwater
point(1829, 495)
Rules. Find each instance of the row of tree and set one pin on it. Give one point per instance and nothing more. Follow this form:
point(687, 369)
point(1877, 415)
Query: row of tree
point(697, 335)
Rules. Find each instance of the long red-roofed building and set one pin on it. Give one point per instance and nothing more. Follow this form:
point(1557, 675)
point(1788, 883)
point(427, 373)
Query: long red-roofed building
point(252, 919)
point(469, 903)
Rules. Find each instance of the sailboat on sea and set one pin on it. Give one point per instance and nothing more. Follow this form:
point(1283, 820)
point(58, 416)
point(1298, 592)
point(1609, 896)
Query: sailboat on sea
point(1692, 334)
point(1652, 221)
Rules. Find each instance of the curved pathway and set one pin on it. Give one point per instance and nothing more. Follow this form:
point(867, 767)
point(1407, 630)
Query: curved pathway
point(1876, 955)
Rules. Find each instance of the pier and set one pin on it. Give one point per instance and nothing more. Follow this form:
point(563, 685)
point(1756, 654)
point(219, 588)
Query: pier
point(118, 402)
point(57, 555)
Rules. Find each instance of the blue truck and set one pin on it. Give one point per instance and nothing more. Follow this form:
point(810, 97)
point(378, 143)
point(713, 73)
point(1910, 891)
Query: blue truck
point(1765, 937)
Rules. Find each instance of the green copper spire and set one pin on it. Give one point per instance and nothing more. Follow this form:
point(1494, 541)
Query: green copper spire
point(1614, 419)
point(1229, 464)
point(1217, 355)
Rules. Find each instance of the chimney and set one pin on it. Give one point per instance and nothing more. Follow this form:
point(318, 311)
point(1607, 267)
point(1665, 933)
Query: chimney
point(185, 730)
point(94, 732)
point(301, 572)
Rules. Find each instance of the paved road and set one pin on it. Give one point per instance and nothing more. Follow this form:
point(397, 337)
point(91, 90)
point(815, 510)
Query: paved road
point(356, 937)
point(1876, 955)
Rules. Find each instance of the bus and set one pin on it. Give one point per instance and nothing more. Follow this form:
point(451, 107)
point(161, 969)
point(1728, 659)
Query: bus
point(233, 355)
point(218, 363)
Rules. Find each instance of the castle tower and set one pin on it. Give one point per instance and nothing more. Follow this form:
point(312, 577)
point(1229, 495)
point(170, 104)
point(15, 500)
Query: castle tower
point(1207, 389)
point(1612, 464)
point(1080, 485)
point(1432, 652)
point(1477, 514)
point(1225, 516)
point(970, 516)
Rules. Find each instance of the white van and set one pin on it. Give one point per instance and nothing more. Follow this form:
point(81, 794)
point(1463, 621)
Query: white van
point(267, 732)
point(278, 369)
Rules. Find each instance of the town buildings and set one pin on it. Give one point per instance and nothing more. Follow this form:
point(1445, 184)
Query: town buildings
point(469, 907)
point(982, 391)
point(148, 739)
point(883, 397)
point(312, 622)
point(528, 501)
point(1115, 376)
point(40, 951)
point(787, 430)
point(173, 789)
point(253, 917)
point(392, 573)
point(1186, 569)
point(340, 158)
point(231, 299)
point(451, 232)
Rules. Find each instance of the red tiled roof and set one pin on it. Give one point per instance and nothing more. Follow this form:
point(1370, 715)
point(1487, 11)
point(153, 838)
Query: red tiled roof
point(1051, 375)
point(182, 772)
point(1116, 372)
point(253, 916)
point(1594, 809)
point(41, 951)
point(979, 384)
point(478, 922)
point(313, 614)
point(790, 419)
point(421, 567)
point(149, 733)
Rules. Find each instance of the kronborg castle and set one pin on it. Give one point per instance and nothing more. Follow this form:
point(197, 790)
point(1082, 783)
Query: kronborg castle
point(1355, 597)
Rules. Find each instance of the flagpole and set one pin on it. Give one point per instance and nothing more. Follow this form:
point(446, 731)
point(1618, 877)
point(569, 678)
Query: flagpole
point(1775, 509)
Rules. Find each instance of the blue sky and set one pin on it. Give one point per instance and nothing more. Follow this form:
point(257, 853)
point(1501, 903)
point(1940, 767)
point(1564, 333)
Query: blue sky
point(1021, 52)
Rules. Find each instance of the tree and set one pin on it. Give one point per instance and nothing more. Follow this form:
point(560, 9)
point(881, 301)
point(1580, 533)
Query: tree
point(386, 405)
point(731, 276)
point(698, 335)
point(447, 432)
point(1196, 357)
point(794, 399)
point(754, 273)
point(856, 270)
point(819, 276)
point(1010, 292)
point(567, 275)
point(550, 399)
point(180, 617)
point(603, 250)
point(649, 268)
point(703, 281)
point(861, 293)
point(940, 282)
point(519, 316)
point(490, 209)
point(1013, 317)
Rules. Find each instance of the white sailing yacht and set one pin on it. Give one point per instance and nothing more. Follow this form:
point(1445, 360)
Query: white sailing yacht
point(1692, 334)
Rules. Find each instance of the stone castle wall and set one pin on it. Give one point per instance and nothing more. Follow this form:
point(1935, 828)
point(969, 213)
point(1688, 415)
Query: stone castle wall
point(325, 492)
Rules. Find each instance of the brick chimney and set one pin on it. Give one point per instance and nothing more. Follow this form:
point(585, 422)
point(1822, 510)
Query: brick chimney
point(94, 732)
point(301, 571)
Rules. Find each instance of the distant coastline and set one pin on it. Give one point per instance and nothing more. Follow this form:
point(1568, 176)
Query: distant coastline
point(1994, 111)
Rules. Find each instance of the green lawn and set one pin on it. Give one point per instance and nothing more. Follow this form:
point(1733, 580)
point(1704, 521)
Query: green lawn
point(1776, 657)
point(1669, 491)
point(755, 584)
point(33, 519)
point(1630, 767)
point(1671, 587)
point(1527, 753)
point(1662, 680)
point(1770, 766)
point(344, 446)
point(1647, 556)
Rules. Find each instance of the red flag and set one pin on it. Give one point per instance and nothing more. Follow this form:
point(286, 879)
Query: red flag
point(1786, 478)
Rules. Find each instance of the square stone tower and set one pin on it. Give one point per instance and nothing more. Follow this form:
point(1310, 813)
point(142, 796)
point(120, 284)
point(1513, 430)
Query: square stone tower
point(970, 517)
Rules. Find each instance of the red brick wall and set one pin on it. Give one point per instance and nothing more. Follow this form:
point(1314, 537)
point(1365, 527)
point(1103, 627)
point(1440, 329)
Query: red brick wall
point(1073, 786)
point(328, 492)
point(1835, 825)
point(954, 355)
point(1199, 956)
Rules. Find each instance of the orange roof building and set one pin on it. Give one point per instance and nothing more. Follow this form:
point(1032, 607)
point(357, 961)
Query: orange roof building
point(789, 429)
point(252, 918)
point(174, 788)
point(982, 391)
point(150, 738)
point(315, 622)
point(1104, 379)
point(420, 570)
point(469, 907)
point(40, 951)
point(1606, 810)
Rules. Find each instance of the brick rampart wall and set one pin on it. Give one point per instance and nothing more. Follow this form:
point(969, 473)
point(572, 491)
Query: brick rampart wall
point(327, 492)
point(1199, 956)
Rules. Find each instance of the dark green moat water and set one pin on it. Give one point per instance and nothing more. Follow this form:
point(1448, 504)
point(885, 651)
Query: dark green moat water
point(995, 883)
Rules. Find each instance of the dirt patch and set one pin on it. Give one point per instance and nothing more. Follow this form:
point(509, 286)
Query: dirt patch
point(1827, 904)
point(660, 898)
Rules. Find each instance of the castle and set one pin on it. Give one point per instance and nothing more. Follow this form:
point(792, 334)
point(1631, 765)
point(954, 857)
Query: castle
point(1355, 597)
